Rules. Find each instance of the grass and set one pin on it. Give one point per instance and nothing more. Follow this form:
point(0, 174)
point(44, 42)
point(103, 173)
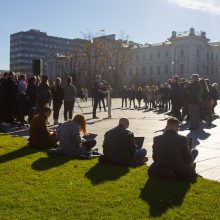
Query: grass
point(34, 186)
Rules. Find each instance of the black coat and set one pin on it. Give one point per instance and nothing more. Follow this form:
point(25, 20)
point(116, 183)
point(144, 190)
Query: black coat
point(193, 92)
point(170, 150)
point(119, 146)
point(57, 94)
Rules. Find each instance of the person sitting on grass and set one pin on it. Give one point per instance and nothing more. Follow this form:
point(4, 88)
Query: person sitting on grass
point(171, 154)
point(40, 136)
point(71, 142)
point(119, 146)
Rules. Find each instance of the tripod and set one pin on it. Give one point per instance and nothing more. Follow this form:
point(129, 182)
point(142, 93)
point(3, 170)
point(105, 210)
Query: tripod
point(79, 105)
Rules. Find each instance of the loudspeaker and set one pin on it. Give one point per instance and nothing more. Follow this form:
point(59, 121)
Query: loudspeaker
point(37, 66)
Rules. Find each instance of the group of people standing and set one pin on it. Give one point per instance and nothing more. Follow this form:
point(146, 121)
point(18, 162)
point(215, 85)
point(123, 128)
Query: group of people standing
point(192, 100)
point(20, 97)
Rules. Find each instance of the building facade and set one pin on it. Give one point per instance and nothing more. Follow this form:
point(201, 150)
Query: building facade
point(182, 54)
point(34, 44)
point(117, 60)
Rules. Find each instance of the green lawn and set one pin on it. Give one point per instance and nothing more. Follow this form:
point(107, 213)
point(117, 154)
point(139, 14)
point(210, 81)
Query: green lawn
point(34, 186)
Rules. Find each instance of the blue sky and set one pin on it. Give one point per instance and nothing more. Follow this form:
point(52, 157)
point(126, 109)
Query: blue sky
point(143, 20)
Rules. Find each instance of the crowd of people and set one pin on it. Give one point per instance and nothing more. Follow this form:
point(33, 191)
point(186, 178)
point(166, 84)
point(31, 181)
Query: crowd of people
point(173, 155)
point(192, 100)
point(20, 97)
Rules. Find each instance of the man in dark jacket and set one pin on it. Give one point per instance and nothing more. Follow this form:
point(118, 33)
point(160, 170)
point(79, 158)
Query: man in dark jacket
point(43, 93)
point(119, 146)
point(176, 95)
point(124, 96)
point(96, 95)
point(10, 98)
point(193, 93)
point(57, 95)
point(171, 152)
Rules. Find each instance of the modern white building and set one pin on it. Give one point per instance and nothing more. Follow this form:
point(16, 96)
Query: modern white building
point(183, 54)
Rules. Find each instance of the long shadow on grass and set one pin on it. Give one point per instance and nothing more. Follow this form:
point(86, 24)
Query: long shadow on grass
point(21, 152)
point(105, 172)
point(47, 163)
point(162, 195)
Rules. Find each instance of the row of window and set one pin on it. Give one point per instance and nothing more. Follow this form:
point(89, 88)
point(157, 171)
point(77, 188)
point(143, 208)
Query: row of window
point(143, 70)
point(151, 56)
point(159, 55)
point(165, 69)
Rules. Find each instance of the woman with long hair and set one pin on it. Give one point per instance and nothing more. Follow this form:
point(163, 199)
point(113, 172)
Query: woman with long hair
point(71, 142)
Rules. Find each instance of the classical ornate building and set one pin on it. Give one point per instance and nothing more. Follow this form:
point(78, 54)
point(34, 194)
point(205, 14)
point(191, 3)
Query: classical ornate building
point(183, 54)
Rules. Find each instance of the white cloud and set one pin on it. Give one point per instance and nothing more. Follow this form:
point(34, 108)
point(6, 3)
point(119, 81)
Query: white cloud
point(210, 6)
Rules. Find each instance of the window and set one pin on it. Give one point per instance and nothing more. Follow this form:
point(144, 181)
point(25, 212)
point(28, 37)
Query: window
point(182, 68)
point(207, 55)
point(207, 70)
point(158, 55)
point(166, 54)
point(158, 70)
point(151, 56)
point(137, 70)
point(137, 57)
point(166, 69)
point(144, 56)
point(212, 56)
point(130, 71)
point(197, 53)
point(151, 69)
point(197, 68)
point(212, 70)
point(143, 70)
point(182, 53)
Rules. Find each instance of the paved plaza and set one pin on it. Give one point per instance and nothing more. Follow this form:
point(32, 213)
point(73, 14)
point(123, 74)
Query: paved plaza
point(149, 124)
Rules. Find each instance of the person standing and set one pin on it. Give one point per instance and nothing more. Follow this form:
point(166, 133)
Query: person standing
point(86, 94)
point(176, 97)
point(124, 97)
point(96, 94)
point(43, 93)
point(57, 96)
point(102, 93)
point(22, 99)
point(139, 96)
point(193, 93)
point(132, 96)
point(69, 98)
point(10, 98)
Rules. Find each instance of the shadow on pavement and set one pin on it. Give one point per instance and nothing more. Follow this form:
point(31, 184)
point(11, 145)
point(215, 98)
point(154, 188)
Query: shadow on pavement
point(49, 162)
point(162, 195)
point(21, 152)
point(105, 172)
point(197, 135)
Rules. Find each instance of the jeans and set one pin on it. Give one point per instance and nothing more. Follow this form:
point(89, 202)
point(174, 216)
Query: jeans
point(56, 110)
point(95, 105)
point(139, 155)
point(124, 100)
point(68, 108)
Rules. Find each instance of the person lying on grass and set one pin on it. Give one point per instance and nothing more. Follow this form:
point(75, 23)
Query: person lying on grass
point(119, 146)
point(71, 142)
point(41, 136)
